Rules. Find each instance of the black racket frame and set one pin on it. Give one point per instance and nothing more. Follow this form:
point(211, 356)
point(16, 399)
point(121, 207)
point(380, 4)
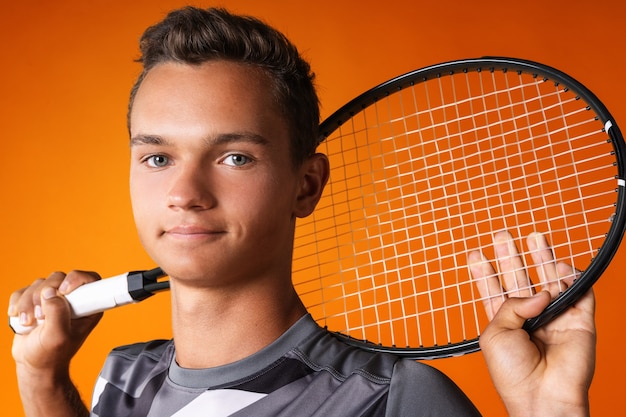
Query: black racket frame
point(548, 74)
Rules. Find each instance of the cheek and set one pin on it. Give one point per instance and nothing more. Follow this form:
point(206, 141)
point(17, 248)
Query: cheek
point(142, 197)
point(273, 204)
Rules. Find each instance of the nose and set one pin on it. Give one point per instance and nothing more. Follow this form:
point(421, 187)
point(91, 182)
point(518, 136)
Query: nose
point(190, 189)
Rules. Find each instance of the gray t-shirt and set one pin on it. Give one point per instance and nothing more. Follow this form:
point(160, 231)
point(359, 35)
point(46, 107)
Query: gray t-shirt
point(305, 372)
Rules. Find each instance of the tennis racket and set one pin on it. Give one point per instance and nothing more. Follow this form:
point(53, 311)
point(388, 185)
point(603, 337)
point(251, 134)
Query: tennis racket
point(105, 294)
point(424, 168)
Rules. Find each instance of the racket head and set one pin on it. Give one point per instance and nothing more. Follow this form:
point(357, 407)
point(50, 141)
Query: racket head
point(383, 260)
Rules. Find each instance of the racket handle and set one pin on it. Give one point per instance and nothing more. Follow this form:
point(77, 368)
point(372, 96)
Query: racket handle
point(105, 294)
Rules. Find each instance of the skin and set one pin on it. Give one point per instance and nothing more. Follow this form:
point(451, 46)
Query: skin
point(42, 357)
point(215, 197)
point(212, 187)
point(549, 372)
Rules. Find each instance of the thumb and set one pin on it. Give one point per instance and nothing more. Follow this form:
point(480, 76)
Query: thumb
point(504, 342)
point(55, 310)
point(516, 310)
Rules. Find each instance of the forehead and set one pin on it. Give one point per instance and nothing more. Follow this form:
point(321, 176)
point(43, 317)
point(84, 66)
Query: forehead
point(218, 95)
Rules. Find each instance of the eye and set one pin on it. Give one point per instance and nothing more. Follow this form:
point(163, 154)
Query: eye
point(157, 161)
point(236, 160)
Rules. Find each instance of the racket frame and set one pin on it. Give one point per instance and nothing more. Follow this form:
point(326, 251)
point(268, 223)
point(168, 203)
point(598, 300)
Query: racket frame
point(614, 236)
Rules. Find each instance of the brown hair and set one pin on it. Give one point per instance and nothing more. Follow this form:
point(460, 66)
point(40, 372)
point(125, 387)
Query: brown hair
point(191, 35)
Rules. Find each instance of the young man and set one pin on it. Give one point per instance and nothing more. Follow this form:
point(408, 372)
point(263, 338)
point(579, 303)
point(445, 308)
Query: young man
point(223, 124)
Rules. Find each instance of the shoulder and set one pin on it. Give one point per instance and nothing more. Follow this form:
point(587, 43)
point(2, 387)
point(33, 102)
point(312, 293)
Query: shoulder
point(411, 388)
point(324, 351)
point(138, 358)
point(151, 348)
point(127, 372)
point(417, 385)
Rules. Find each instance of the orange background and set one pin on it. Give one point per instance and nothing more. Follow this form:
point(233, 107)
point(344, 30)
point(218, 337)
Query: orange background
point(66, 72)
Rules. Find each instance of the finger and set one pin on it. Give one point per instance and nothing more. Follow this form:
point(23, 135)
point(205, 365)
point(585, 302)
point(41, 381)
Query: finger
point(56, 311)
point(487, 283)
point(54, 305)
point(545, 265)
point(58, 332)
point(515, 311)
point(17, 317)
point(504, 342)
point(75, 279)
point(514, 278)
point(13, 301)
point(567, 273)
point(58, 321)
point(26, 303)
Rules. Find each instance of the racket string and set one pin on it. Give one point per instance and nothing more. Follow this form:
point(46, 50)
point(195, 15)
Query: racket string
point(425, 177)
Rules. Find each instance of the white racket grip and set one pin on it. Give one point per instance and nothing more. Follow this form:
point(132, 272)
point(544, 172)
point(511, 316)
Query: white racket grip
point(99, 296)
point(88, 299)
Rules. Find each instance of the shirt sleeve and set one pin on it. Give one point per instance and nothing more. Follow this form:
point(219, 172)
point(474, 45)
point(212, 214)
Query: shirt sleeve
point(421, 390)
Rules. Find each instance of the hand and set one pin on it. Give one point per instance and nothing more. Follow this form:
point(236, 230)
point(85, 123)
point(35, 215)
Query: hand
point(43, 356)
point(51, 345)
point(549, 372)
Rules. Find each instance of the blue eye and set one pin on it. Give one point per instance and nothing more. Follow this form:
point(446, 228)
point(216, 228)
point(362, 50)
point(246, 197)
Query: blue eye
point(236, 160)
point(157, 161)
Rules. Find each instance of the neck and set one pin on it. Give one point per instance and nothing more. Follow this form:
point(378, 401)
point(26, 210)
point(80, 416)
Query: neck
point(214, 327)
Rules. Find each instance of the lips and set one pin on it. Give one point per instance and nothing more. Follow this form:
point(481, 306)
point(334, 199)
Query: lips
point(191, 232)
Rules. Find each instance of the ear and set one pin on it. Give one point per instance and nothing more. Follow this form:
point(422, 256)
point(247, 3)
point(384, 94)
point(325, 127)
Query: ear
point(314, 174)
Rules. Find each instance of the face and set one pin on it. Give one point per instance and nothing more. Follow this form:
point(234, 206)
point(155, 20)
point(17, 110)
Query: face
point(214, 192)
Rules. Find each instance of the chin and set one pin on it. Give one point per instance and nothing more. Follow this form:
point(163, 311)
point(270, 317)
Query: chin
point(177, 263)
point(181, 270)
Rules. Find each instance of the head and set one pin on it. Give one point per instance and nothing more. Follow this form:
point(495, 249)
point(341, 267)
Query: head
point(223, 104)
point(194, 36)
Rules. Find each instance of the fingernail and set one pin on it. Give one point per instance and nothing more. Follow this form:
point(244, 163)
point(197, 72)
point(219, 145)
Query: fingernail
point(38, 312)
point(63, 287)
point(23, 319)
point(48, 293)
point(12, 310)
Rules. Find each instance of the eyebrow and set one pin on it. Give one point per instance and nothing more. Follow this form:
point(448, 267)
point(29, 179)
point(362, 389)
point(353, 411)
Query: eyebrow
point(219, 139)
point(249, 137)
point(147, 140)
